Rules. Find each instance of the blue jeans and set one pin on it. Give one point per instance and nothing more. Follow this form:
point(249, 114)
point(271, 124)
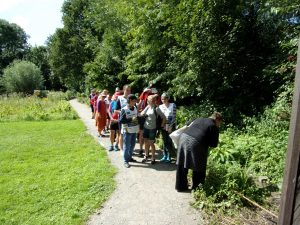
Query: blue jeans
point(128, 146)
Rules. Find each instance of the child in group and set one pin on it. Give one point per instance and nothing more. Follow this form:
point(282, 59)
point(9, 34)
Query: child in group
point(114, 126)
point(129, 128)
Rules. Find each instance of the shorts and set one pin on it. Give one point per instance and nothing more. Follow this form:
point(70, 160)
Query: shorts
point(114, 126)
point(149, 134)
point(141, 122)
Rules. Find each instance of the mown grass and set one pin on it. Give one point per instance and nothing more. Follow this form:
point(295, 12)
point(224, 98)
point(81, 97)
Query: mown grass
point(51, 172)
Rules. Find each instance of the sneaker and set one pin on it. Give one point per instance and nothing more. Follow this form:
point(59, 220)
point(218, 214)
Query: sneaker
point(141, 153)
point(116, 148)
point(132, 160)
point(126, 165)
point(168, 159)
point(163, 159)
point(145, 159)
point(111, 148)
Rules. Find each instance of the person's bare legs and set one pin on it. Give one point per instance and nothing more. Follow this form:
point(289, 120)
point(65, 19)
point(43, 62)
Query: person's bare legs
point(112, 137)
point(151, 143)
point(121, 142)
point(141, 141)
point(147, 146)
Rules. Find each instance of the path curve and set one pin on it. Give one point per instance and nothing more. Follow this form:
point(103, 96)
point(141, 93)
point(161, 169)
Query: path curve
point(145, 193)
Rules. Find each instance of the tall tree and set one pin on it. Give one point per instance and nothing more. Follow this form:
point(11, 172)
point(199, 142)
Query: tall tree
point(67, 46)
point(40, 57)
point(13, 43)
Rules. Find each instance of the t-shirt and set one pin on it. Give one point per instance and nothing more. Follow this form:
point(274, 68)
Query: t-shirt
point(121, 102)
point(170, 113)
point(126, 118)
point(150, 122)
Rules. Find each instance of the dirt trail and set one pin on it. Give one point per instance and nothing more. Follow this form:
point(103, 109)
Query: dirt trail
point(145, 193)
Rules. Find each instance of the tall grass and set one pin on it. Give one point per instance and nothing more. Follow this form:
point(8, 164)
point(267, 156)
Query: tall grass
point(32, 108)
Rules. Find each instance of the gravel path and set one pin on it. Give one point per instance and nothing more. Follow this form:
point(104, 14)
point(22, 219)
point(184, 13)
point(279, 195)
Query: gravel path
point(145, 193)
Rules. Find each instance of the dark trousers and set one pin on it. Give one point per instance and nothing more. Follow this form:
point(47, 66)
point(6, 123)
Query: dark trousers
point(168, 145)
point(182, 181)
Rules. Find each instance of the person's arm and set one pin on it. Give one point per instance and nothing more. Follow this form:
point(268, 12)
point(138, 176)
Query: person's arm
point(143, 113)
point(109, 111)
point(173, 116)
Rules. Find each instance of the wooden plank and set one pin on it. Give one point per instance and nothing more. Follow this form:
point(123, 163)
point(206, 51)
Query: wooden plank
point(292, 158)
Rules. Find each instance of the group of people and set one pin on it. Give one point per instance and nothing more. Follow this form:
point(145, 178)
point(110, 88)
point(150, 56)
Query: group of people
point(130, 117)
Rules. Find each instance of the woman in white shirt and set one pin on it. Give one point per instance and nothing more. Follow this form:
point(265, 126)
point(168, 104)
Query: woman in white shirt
point(169, 110)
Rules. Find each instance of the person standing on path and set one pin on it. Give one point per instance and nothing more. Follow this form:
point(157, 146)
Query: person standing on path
point(114, 126)
point(94, 102)
point(121, 103)
point(101, 114)
point(151, 113)
point(91, 96)
point(193, 150)
point(169, 110)
point(130, 127)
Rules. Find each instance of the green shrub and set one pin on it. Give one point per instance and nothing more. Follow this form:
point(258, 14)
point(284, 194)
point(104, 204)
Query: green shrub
point(186, 113)
point(83, 98)
point(22, 76)
point(59, 95)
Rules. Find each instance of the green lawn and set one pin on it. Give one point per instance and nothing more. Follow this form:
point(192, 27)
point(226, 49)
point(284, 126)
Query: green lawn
point(51, 173)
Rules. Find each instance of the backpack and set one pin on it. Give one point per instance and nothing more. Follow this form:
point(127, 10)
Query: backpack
point(158, 119)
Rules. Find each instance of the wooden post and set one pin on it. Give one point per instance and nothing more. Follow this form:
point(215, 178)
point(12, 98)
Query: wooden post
point(289, 189)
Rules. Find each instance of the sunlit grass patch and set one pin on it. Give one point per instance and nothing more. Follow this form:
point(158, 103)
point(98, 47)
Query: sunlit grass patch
point(51, 173)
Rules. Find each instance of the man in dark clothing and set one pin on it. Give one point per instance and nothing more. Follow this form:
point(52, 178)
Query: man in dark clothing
point(193, 149)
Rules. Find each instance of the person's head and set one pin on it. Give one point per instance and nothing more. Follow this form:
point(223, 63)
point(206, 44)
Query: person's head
point(117, 89)
point(131, 100)
point(151, 99)
point(109, 96)
point(102, 95)
point(165, 98)
point(217, 117)
point(105, 91)
point(126, 90)
point(93, 91)
point(114, 97)
point(97, 93)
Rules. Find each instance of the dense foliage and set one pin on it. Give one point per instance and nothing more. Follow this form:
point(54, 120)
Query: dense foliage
point(223, 52)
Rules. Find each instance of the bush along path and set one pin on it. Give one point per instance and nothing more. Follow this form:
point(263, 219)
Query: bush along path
point(145, 193)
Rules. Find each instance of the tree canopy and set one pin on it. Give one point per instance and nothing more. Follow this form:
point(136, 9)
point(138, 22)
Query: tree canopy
point(235, 54)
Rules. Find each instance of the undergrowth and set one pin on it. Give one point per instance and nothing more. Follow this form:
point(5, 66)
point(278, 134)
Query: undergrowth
point(244, 154)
